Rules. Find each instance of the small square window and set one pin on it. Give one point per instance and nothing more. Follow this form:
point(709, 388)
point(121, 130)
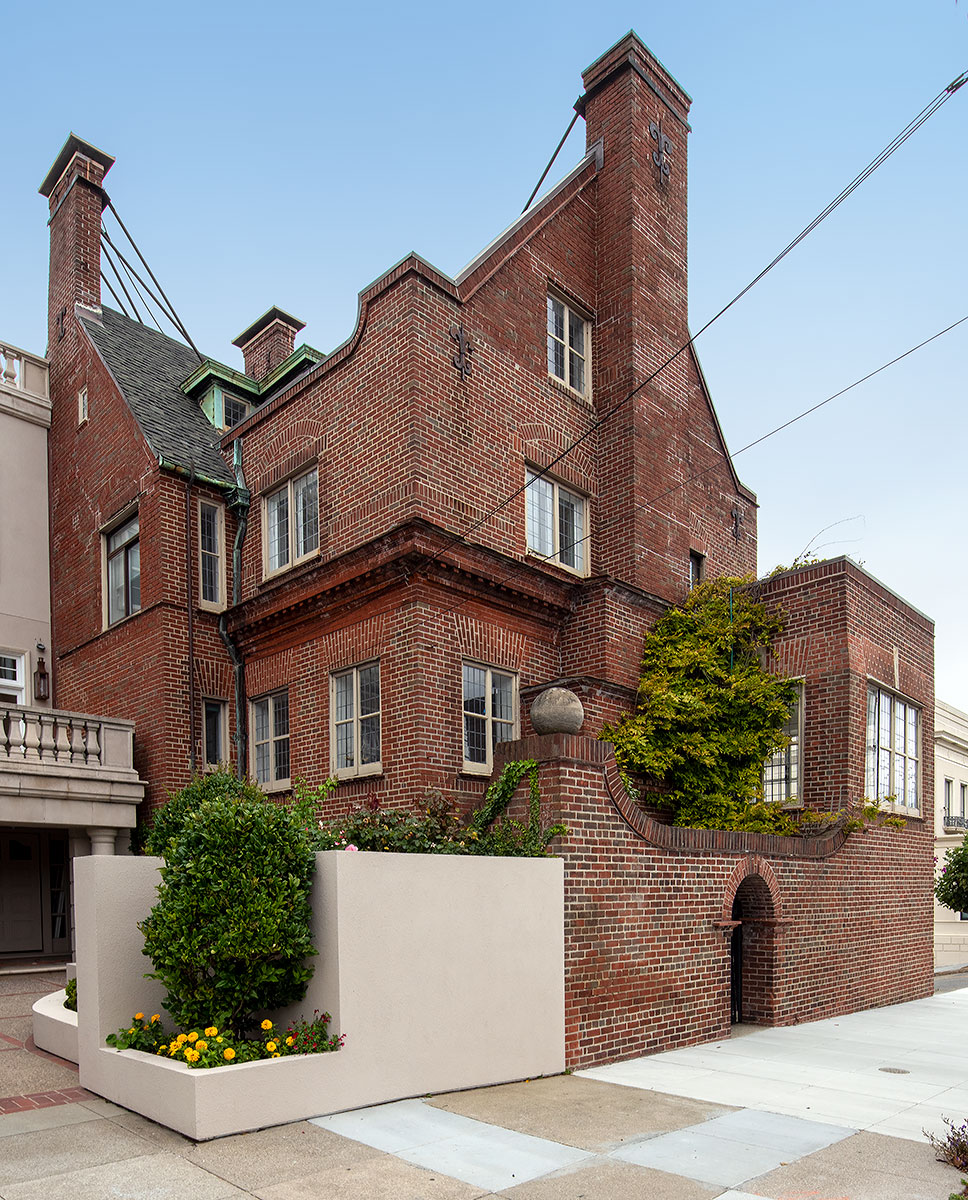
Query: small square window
point(270, 740)
point(355, 722)
point(234, 411)
point(568, 346)
point(291, 522)
point(490, 709)
point(557, 522)
point(13, 680)
point(123, 564)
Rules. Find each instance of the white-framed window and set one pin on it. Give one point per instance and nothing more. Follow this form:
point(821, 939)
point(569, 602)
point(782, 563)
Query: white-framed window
point(234, 411)
point(557, 522)
point(569, 344)
point(355, 726)
point(82, 410)
point(291, 522)
point(215, 733)
point(211, 555)
point(13, 678)
point(123, 569)
point(490, 713)
point(270, 740)
point(949, 795)
point(893, 739)
point(783, 770)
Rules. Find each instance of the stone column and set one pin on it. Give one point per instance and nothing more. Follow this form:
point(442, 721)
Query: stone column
point(102, 840)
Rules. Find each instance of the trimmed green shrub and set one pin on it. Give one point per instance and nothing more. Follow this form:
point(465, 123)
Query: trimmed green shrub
point(231, 929)
point(176, 813)
point(951, 886)
point(70, 1000)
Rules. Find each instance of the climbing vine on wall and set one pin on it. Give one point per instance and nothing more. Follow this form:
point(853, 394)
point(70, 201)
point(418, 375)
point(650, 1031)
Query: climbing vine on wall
point(709, 712)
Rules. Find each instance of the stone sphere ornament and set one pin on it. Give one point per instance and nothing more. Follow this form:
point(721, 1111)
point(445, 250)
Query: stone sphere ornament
point(557, 710)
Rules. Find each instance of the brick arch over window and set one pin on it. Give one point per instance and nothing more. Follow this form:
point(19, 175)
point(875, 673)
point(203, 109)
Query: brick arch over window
point(762, 893)
point(543, 443)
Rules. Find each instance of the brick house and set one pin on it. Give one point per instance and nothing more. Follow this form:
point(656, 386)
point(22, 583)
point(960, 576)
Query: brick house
point(345, 564)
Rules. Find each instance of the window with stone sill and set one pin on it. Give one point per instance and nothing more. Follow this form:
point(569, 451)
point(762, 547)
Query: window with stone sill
point(270, 740)
point(569, 346)
point(490, 713)
point(355, 732)
point(556, 522)
point(893, 750)
point(123, 569)
point(290, 521)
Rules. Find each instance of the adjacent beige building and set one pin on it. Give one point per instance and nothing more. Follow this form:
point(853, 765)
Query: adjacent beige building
point(951, 823)
point(67, 783)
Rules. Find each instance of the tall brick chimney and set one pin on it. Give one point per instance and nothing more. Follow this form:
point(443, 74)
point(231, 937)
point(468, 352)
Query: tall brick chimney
point(73, 187)
point(268, 341)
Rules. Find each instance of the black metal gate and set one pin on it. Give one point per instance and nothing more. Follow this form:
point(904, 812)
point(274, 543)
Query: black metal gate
point(736, 976)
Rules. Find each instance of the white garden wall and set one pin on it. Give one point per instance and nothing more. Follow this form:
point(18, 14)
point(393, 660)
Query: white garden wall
point(443, 972)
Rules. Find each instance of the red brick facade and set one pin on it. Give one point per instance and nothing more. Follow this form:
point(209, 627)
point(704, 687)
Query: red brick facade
point(421, 428)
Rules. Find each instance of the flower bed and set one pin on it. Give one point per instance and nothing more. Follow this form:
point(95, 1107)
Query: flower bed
point(442, 973)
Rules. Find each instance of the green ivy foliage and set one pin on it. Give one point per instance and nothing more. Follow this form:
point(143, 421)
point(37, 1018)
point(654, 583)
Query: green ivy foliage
point(230, 933)
point(708, 714)
point(951, 886)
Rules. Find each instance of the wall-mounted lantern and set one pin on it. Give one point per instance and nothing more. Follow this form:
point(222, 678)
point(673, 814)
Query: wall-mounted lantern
point(41, 678)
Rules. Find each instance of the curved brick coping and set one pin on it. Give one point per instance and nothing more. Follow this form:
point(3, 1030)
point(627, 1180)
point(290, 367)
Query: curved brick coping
point(582, 750)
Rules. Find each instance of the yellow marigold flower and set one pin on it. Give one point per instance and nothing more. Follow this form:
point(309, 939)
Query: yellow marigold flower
point(228, 1053)
point(201, 1045)
point(267, 1024)
point(139, 1016)
point(161, 1049)
point(211, 1031)
point(131, 1030)
point(219, 1038)
point(182, 1037)
point(193, 1036)
point(155, 1017)
point(289, 1041)
point(277, 1055)
point(270, 1046)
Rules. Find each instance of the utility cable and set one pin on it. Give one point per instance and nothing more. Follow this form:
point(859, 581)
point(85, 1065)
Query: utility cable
point(134, 276)
point(134, 279)
point(925, 114)
point(117, 299)
point(551, 162)
point(117, 273)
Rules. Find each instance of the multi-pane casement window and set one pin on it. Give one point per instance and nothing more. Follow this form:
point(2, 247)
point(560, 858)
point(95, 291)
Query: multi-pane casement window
point(123, 570)
point(892, 749)
point(214, 733)
point(13, 680)
point(291, 522)
point(234, 411)
point(270, 740)
point(355, 721)
point(782, 771)
point(490, 708)
point(211, 554)
point(557, 522)
point(568, 345)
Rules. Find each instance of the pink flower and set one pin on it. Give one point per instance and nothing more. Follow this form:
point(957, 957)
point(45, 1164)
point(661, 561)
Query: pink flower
point(352, 847)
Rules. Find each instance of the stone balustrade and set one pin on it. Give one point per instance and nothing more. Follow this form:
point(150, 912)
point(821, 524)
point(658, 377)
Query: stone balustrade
point(32, 736)
point(21, 371)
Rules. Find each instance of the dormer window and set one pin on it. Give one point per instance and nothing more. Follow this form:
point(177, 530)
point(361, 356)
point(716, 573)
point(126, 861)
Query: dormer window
point(234, 411)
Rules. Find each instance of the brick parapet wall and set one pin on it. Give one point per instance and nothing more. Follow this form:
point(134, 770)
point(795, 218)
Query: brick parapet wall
point(648, 926)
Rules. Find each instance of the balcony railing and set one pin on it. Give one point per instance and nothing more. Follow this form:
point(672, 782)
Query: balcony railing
point(952, 823)
point(21, 371)
point(32, 737)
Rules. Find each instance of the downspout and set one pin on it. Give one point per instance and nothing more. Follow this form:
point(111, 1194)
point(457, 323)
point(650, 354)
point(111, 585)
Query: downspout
point(192, 727)
point(239, 504)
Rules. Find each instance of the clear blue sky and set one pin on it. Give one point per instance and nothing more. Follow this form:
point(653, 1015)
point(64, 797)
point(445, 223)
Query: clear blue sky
point(289, 154)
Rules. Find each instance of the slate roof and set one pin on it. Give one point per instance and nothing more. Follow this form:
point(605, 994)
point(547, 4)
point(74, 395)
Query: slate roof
point(148, 367)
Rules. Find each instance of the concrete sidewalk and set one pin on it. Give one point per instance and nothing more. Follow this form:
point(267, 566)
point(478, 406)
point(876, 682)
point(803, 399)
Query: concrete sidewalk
point(581, 1137)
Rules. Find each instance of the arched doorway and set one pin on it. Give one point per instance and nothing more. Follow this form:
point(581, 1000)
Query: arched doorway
point(752, 954)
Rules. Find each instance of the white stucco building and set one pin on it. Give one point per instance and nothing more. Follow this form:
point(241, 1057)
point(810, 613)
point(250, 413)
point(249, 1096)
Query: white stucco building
point(951, 823)
point(67, 783)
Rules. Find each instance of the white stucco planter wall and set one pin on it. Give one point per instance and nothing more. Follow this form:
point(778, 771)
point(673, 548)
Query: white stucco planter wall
point(55, 1027)
point(443, 972)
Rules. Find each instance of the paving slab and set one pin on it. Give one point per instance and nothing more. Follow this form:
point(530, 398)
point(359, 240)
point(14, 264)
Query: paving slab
point(606, 1179)
point(379, 1178)
point(23, 1072)
point(20, 1027)
point(867, 1166)
point(269, 1156)
point(151, 1177)
point(578, 1112)
point(18, 1004)
point(794, 1136)
point(43, 1153)
point(40, 984)
point(30, 1121)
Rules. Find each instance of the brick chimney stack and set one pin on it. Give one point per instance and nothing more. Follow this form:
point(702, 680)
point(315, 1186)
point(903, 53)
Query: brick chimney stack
point(268, 342)
point(73, 187)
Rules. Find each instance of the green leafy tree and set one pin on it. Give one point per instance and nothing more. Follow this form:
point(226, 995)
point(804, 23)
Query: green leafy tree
point(230, 933)
point(176, 813)
point(708, 714)
point(951, 886)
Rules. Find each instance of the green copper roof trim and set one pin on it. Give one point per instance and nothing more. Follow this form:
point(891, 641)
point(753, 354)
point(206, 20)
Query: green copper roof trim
point(212, 371)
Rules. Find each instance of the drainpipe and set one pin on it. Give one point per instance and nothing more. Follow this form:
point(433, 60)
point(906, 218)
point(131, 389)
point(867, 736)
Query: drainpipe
point(238, 504)
point(192, 729)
